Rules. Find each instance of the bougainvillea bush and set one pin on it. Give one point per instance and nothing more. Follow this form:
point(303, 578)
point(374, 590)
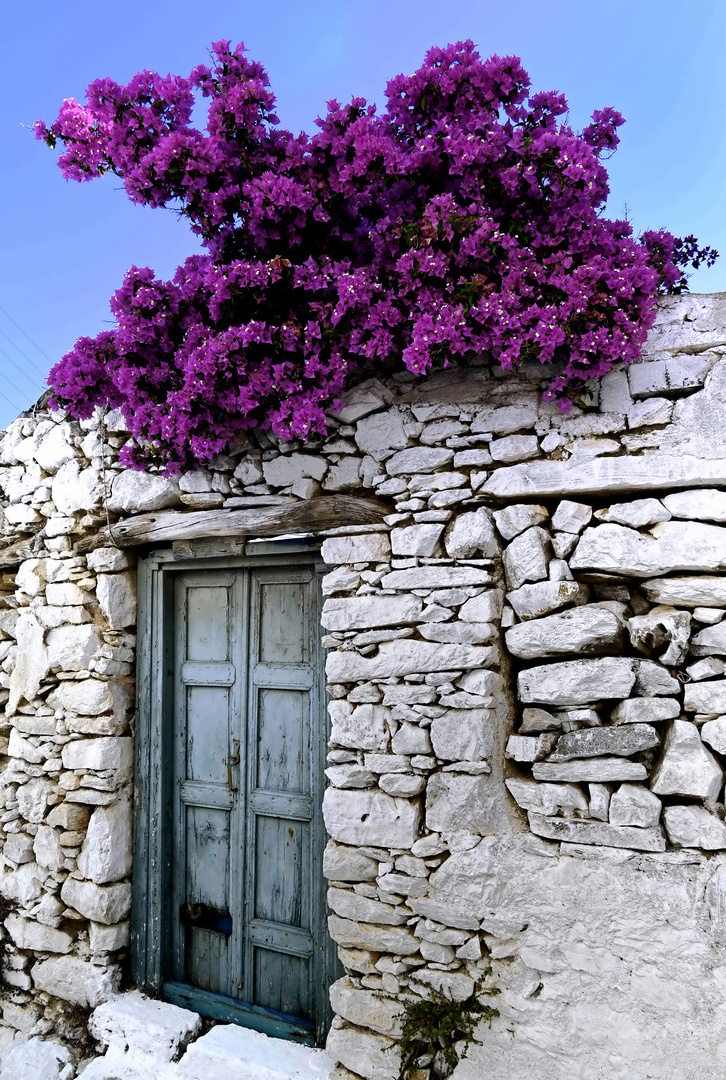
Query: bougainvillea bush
point(466, 218)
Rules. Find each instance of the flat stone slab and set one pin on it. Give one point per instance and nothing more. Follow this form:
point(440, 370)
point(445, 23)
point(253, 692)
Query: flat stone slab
point(597, 741)
point(597, 832)
point(617, 475)
point(137, 1023)
point(589, 770)
point(589, 629)
point(577, 682)
point(230, 1051)
point(672, 545)
point(705, 591)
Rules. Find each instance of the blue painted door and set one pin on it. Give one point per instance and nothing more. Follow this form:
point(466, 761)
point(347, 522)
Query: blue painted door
point(248, 939)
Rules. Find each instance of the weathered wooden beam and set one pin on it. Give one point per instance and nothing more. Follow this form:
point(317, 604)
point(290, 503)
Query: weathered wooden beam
point(16, 553)
point(305, 516)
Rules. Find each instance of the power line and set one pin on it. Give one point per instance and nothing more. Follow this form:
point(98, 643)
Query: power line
point(35, 346)
point(31, 362)
point(22, 372)
point(7, 379)
point(16, 407)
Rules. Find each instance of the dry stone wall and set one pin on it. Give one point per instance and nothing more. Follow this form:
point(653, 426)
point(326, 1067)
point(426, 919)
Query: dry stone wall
point(526, 691)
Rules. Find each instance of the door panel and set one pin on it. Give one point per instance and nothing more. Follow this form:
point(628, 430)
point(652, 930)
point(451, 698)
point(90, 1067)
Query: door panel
point(249, 743)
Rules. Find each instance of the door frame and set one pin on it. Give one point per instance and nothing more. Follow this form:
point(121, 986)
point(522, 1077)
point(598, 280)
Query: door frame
point(153, 789)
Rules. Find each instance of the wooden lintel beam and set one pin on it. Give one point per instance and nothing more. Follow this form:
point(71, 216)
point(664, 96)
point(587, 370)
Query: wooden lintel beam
point(303, 516)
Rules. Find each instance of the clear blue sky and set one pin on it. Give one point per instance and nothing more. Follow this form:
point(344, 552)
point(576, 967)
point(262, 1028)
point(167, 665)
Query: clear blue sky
point(66, 246)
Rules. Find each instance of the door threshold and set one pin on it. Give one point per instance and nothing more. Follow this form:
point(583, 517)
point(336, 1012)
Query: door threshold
point(231, 1011)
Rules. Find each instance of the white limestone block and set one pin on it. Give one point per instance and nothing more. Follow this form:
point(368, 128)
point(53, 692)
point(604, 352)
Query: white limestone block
point(369, 818)
point(514, 448)
point(18, 848)
point(652, 680)
point(366, 1054)
point(36, 1059)
point(506, 419)
point(138, 1024)
point(635, 805)
point(344, 863)
point(360, 728)
point(671, 545)
point(588, 629)
point(533, 601)
point(571, 517)
point(596, 741)
point(699, 504)
point(108, 938)
point(597, 832)
point(53, 449)
point(658, 377)
point(71, 648)
point(394, 939)
point(351, 905)
point(602, 770)
point(548, 799)
point(526, 557)
point(416, 539)
point(33, 799)
point(707, 590)
point(463, 734)
point(364, 547)
point(106, 852)
point(513, 520)
point(47, 849)
point(419, 459)
point(600, 795)
point(686, 767)
point(32, 662)
point(379, 435)
point(602, 475)
point(436, 577)
point(406, 657)
point(77, 489)
point(32, 935)
point(577, 682)
point(340, 580)
point(106, 560)
point(645, 710)
point(135, 492)
point(66, 593)
point(90, 697)
point(663, 625)
point(350, 776)
point(76, 980)
point(706, 669)
point(411, 739)
point(711, 641)
point(22, 515)
point(694, 827)
point(471, 534)
point(636, 514)
point(116, 594)
point(713, 733)
point(103, 903)
point(486, 607)
point(705, 698)
point(459, 803)
point(362, 399)
point(249, 470)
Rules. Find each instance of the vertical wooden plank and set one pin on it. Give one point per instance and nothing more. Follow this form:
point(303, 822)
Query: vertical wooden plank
point(141, 945)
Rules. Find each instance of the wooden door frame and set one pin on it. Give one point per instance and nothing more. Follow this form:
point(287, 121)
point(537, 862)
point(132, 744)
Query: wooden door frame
point(152, 843)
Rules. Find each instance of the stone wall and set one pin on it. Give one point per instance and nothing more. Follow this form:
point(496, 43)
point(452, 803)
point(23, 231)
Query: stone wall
point(506, 642)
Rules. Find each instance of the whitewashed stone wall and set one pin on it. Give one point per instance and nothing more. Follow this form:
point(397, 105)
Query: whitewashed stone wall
point(526, 682)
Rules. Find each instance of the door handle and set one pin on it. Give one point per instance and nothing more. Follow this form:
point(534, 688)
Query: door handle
point(232, 760)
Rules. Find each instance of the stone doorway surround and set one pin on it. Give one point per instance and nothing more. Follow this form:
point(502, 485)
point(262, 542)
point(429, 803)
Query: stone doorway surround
point(468, 830)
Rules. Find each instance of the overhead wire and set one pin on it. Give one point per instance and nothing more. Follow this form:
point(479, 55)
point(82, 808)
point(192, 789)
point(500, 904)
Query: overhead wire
point(25, 355)
point(33, 343)
point(22, 372)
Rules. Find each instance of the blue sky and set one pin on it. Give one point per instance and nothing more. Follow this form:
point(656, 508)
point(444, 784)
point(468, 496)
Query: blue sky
point(66, 246)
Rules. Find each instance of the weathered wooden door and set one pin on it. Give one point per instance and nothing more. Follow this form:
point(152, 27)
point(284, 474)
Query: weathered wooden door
point(246, 934)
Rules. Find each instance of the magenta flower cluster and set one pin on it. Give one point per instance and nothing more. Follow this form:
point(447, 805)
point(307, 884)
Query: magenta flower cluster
point(464, 219)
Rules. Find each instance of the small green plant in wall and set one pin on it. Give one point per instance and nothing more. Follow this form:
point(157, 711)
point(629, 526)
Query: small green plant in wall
point(435, 1028)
